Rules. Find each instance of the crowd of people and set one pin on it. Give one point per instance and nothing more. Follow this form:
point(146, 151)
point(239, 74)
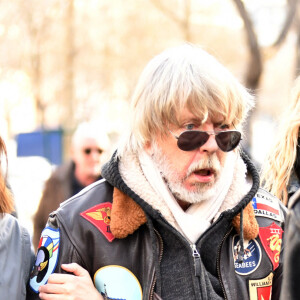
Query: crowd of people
point(178, 212)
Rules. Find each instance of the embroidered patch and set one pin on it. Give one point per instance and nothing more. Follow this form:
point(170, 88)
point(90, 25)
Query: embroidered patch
point(266, 206)
point(117, 282)
point(99, 216)
point(46, 258)
point(261, 289)
point(271, 239)
point(252, 256)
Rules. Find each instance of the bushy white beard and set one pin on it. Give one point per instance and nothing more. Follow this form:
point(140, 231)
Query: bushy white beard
point(203, 191)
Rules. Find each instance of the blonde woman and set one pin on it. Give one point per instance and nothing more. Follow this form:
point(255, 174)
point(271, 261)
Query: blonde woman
point(16, 256)
point(286, 179)
point(281, 171)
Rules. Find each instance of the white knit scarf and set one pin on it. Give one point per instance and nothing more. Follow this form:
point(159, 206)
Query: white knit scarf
point(197, 218)
point(141, 175)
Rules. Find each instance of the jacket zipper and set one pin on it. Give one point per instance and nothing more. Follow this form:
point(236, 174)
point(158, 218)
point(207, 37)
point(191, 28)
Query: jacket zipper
point(218, 263)
point(161, 249)
point(196, 256)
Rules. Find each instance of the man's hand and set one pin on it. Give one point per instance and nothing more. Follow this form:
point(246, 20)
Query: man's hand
point(70, 287)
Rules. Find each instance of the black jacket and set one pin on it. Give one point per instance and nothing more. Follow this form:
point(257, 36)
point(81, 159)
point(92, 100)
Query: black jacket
point(130, 249)
point(291, 271)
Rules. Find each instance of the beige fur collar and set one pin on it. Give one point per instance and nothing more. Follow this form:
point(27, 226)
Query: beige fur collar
point(127, 215)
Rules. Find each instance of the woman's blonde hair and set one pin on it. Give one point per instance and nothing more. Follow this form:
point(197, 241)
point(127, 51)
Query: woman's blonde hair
point(278, 166)
point(183, 76)
point(6, 201)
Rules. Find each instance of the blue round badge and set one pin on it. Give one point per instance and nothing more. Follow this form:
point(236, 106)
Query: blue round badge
point(252, 256)
point(117, 282)
point(46, 258)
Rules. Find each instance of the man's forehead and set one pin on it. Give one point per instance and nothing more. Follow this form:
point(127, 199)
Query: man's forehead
point(187, 115)
point(88, 141)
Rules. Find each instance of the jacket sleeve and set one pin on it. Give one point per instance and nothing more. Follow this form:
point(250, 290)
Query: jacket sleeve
point(291, 270)
point(54, 249)
point(16, 258)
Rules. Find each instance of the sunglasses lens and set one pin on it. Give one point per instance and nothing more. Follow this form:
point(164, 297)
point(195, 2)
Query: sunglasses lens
point(191, 140)
point(88, 151)
point(228, 140)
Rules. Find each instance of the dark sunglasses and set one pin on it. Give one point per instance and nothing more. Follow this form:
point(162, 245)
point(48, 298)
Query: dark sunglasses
point(192, 139)
point(88, 151)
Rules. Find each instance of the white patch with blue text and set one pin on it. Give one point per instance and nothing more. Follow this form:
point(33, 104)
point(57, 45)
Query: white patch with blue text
point(266, 205)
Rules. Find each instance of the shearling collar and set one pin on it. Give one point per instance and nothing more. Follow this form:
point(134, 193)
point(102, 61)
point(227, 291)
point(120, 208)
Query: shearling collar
point(127, 216)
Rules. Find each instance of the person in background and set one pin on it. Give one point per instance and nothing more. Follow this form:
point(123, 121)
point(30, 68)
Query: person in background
point(87, 147)
point(281, 175)
point(16, 253)
point(281, 168)
point(179, 214)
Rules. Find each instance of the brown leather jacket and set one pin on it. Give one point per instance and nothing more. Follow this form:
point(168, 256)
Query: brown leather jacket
point(121, 241)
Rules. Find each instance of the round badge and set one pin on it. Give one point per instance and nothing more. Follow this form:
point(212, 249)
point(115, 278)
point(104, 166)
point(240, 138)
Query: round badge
point(117, 282)
point(46, 258)
point(252, 256)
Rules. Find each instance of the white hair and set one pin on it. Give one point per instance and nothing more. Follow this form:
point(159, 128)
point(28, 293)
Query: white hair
point(183, 76)
point(90, 130)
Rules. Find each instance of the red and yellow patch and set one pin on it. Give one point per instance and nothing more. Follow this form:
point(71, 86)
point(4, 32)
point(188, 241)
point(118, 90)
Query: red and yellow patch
point(99, 216)
point(261, 289)
point(271, 239)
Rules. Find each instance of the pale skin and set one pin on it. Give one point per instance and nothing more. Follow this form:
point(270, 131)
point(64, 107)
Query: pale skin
point(80, 286)
point(181, 160)
point(70, 287)
point(88, 166)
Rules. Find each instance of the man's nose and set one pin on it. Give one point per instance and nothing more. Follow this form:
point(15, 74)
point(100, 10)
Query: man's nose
point(95, 155)
point(210, 145)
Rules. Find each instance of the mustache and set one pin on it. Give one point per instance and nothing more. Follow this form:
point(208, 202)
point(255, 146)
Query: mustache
point(210, 162)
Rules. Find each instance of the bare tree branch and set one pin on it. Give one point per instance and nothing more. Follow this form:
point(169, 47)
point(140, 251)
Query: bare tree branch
point(290, 16)
point(168, 12)
point(183, 23)
point(255, 66)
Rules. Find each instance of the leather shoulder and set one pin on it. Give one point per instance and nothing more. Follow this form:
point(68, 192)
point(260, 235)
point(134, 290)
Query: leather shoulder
point(268, 208)
point(96, 193)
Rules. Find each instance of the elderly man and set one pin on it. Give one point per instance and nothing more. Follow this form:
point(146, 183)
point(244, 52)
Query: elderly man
point(179, 213)
point(87, 146)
